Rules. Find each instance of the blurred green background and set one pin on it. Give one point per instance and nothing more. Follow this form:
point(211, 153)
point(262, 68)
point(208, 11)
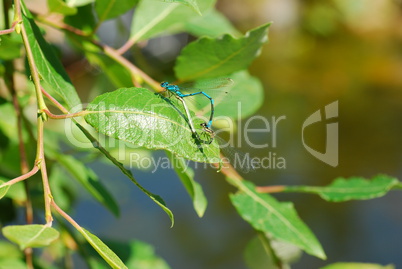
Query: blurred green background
point(319, 52)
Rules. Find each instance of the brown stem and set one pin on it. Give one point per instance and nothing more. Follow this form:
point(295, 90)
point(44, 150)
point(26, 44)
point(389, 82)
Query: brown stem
point(270, 189)
point(34, 170)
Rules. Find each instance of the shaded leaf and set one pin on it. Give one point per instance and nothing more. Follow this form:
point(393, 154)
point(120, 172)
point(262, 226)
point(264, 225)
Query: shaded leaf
point(54, 78)
point(59, 6)
point(104, 251)
point(193, 188)
point(3, 190)
point(147, 120)
point(354, 188)
point(10, 47)
point(351, 265)
point(154, 17)
point(30, 235)
point(208, 57)
point(84, 20)
point(279, 219)
point(108, 9)
point(212, 24)
point(89, 180)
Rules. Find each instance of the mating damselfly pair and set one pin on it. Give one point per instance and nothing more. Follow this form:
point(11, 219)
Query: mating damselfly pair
point(208, 89)
point(203, 88)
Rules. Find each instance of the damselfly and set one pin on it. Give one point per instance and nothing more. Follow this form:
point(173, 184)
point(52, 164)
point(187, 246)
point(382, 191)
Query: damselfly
point(236, 158)
point(201, 87)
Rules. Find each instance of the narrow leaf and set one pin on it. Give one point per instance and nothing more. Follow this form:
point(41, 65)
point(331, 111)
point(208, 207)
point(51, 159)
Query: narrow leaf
point(148, 120)
point(3, 190)
point(279, 219)
point(89, 180)
point(54, 78)
point(30, 235)
point(193, 188)
point(108, 9)
point(156, 198)
point(354, 188)
point(209, 57)
point(351, 265)
point(154, 17)
point(104, 251)
point(191, 3)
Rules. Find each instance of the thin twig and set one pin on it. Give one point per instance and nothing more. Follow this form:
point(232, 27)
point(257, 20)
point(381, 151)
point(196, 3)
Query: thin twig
point(270, 189)
point(34, 170)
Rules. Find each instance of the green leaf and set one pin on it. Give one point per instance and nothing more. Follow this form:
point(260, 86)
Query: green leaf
point(84, 20)
point(62, 189)
point(208, 57)
point(3, 190)
point(156, 198)
point(89, 180)
point(78, 3)
point(10, 47)
point(7, 263)
point(350, 265)
point(104, 251)
point(235, 105)
point(258, 253)
point(30, 235)
point(9, 250)
point(153, 18)
point(279, 219)
point(54, 78)
point(212, 24)
point(193, 188)
point(108, 9)
point(191, 3)
point(148, 120)
point(59, 6)
point(354, 188)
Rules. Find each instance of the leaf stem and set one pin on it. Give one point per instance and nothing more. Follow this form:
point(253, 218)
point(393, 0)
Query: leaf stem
point(270, 189)
point(65, 116)
point(34, 170)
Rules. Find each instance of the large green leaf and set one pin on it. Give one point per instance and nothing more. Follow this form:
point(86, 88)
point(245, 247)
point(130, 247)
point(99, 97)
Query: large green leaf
point(279, 219)
point(193, 188)
point(208, 57)
point(157, 199)
point(84, 19)
point(211, 24)
point(30, 235)
point(10, 47)
point(354, 188)
point(104, 251)
point(108, 9)
point(54, 78)
point(154, 17)
point(352, 265)
point(148, 120)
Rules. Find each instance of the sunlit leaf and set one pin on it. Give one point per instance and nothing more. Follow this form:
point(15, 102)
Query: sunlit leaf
point(108, 9)
point(104, 251)
point(78, 3)
point(354, 188)
point(351, 265)
point(154, 17)
point(148, 120)
point(208, 57)
point(156, 198)
point(54, 78)
point(193, 188)
point(30, 235)
point(61, 7)
point(278, 219)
